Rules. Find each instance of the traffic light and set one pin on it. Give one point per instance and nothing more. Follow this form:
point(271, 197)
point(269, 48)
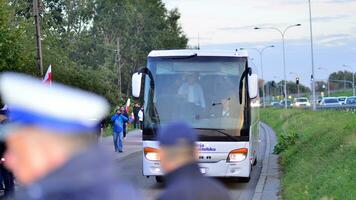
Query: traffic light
point(297, 80)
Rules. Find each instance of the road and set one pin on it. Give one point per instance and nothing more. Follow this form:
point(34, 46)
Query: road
point(131, 169)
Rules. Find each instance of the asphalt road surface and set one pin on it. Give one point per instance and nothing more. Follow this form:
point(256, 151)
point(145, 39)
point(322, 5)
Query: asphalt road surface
point(131, 169)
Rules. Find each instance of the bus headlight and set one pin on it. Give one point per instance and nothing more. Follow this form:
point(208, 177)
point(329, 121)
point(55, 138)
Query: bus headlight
point(237, 155)
point(151, 153)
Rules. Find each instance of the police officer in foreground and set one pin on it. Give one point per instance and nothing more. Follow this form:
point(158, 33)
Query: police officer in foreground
point(7, 178)
point(51, 142)
point(178, 154)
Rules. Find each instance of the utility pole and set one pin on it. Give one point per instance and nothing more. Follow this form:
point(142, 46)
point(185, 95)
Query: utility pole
point(198, 41)
point(269, 92)
point(298, 88)
point(328, 88)
point(38, 36)
point(283, 33)
point(118, 64)
point(312, 57)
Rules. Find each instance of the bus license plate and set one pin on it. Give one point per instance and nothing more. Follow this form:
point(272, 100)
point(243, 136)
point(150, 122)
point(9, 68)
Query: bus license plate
point(203, 170)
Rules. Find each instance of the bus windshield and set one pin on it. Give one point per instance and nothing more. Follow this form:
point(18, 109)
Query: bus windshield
point(203, 91)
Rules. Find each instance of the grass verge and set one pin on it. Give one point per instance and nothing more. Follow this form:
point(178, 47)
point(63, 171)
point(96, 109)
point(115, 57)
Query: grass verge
point(318, 156)
point(341, 93)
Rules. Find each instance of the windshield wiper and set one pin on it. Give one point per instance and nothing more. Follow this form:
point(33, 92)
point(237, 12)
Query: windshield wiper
point(220, 103)
point(219, 131)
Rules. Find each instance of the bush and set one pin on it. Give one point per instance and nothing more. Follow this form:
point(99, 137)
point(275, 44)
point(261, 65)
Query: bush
point(284, 141)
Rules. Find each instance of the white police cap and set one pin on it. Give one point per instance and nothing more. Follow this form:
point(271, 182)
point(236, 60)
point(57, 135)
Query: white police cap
point(56, 107)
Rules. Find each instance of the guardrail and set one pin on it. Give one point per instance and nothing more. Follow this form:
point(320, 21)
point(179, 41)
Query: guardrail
point(340, 107)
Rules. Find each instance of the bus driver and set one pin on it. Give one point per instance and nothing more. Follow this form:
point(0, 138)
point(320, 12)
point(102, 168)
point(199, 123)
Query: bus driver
point(192, 92)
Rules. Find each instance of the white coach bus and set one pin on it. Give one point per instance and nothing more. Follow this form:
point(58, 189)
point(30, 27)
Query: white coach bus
point(216, 93)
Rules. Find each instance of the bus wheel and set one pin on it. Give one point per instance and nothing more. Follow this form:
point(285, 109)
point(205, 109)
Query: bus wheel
point(244, 179)
point(255, 162)
point(159, 179)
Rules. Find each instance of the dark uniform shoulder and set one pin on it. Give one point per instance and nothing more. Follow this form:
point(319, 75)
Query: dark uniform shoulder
point(217, 189)
point(197, 187)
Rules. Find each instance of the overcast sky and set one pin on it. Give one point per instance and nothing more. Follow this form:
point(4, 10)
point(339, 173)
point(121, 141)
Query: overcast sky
point(228, 24)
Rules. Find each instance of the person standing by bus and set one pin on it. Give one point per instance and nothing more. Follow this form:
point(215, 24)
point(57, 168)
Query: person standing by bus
point(140, 118)
point(136, 110)
point(118, 120)
point(178, 160)
point(124, 125)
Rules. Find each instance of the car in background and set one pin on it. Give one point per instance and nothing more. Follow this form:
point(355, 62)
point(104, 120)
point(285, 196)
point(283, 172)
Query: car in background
point(341, 99)
point(330, 101)
point(282, 103)
point(350, 101)
point(301, 102)
point(275, 103)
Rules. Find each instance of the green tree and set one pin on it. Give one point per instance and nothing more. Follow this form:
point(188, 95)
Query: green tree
point(276, 89)
point(141, 27)
point(337, 78)
point(320, 86)
point(13, 55)
point(79, 39)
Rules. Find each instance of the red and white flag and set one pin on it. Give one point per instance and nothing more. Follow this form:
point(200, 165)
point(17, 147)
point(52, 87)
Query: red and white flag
point(48, 77)
point(128, 104)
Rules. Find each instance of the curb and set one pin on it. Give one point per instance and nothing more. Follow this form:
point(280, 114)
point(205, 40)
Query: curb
point(265, 172)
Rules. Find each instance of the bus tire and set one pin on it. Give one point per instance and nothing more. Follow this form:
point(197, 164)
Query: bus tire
point(255, 162)
point(245, 179)
point(159, 179)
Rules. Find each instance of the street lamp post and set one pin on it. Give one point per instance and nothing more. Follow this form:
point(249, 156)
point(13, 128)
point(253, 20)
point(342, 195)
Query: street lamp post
point(312, 55)
point(260, 51)
point(353, 78)
point(284, 56)
point(328, 81)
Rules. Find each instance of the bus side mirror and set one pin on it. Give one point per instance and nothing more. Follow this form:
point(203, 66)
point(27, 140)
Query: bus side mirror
point(136, 84)
point(253, 86)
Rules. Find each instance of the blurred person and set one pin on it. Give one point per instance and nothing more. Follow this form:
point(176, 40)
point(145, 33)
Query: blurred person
point(124, 113)
point(101, 130)
point(192, 91)
point(140, 118)
point(118, 120)
point(3, 112)
point(7, 178)
point(136, 110)
point(178, 155)
point(51, 142)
